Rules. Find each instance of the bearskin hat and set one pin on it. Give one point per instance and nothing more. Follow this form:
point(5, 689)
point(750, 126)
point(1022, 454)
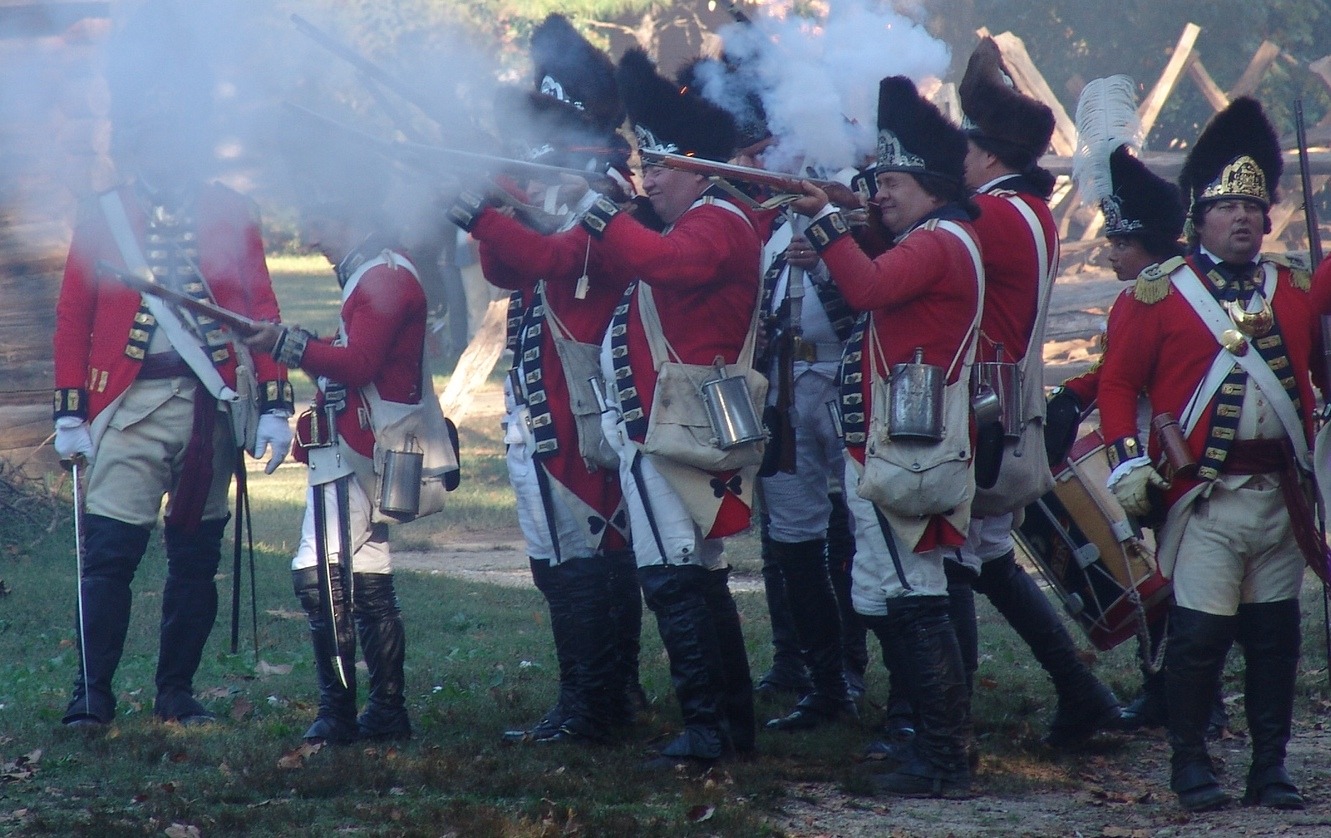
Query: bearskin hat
point(159, 79)
point(914, 136)
point(1143, 203)
point(725, 83)
point(1000, 119)
point(568, 68)
point(1236, 156)
point(666, 118)
point(570, 115)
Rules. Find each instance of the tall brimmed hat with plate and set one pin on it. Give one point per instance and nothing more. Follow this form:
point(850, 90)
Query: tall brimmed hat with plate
point(669, 118)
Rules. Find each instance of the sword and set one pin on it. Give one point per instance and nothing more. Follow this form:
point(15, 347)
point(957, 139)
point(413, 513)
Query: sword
point(76, 465)
point(327, 603)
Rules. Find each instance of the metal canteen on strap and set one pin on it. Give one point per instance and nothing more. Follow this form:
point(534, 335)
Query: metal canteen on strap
point(915, 401)
point(1003, 380)
point(400, 483)
point(730, 410)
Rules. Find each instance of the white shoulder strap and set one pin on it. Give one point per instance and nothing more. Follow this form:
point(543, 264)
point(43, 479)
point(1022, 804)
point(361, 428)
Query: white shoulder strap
point(968, 345)
point(1190, 286)
point(182, 340)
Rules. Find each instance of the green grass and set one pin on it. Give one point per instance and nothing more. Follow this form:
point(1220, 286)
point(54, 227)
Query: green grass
point(480, 660)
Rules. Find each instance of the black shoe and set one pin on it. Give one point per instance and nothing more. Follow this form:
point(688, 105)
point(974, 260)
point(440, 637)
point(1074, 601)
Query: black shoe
point(890, 751)
point(813, 711)
point(1274, 789)
point(548, 725)
point(780, 681)
point(1146, 710)
point(1074, 724)
point(327, 730)
point(661, 764)
point(84, 722)
point(183, 710)
point(1197, 788)
point(918, 778)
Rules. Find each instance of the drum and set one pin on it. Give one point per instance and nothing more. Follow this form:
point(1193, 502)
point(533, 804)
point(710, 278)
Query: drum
point(1090, 552)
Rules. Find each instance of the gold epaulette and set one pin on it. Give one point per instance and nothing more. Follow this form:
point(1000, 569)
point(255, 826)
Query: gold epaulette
point(1153, 283)
point(1300, 267)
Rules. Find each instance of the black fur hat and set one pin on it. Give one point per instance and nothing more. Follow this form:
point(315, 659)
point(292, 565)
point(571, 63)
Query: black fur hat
point(572, 112)
point(1143, 204)
point(727, 84)
point(1000, 119)
point(568, 68)
point(666, 118)
point(1236, 156)
point(914, 136)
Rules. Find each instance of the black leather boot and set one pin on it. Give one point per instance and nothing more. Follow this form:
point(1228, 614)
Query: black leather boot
point(961, 607)
point(814, 610)
point(787, 675)
point(592, 647)
point(1085, 705)
point(840, 561)
point(112, 552)
point(899, 723)
point(383, 642)
point(189, 609)
point(335, 723)
point(626, 614)
point(737, 682)
point(675, 595)
point(557, 600)
point(921, 629)
point(1198, 643)
point(1270, 636)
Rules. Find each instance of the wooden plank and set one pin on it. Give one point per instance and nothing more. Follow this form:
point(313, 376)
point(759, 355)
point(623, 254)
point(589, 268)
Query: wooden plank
point(1290, 210)
point(1030, 82)
point(476, 362)
point(1322, 69)
point(1257, 67)
point(1167, 164)
point(1150, 107)
point(1214, 95)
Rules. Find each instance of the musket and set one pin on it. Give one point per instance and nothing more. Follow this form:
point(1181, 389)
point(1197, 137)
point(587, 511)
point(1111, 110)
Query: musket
point(726, 171)
point(374, 72)
point(1305, 174)
point(785, 370)
point(1315, 257)
point(235, 321)
point(455, 162)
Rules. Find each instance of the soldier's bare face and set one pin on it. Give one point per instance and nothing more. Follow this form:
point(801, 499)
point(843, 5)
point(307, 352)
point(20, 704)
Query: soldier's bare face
point(1128, 257)
point(902, 201)
point(1232, 230)
point(671, 191)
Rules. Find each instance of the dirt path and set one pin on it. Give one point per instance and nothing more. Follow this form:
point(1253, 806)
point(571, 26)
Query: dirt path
point(1117, 790)
point(1121, 792)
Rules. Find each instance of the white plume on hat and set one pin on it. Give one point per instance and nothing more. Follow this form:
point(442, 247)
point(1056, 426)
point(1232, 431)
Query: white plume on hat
point(1106, 119)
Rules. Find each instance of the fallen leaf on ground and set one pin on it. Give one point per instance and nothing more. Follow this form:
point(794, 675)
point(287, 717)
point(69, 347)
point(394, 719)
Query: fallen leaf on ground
point(296, 758)
point(241, 708)
point(183, 830)
point(698, 814)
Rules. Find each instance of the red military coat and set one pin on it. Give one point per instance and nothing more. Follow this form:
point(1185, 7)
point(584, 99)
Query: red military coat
point(516, 258)
point(94, 316)
point(384, 323)
point(704, 275)
point(1012, 269)
point(923, 293)
point(1164, 349)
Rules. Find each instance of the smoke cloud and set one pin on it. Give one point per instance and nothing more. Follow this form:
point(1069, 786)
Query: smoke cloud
point(817, 78)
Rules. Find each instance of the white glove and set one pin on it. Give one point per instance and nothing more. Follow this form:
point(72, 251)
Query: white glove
point(275, 433)
point(72, 438)
point(1130, 487)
